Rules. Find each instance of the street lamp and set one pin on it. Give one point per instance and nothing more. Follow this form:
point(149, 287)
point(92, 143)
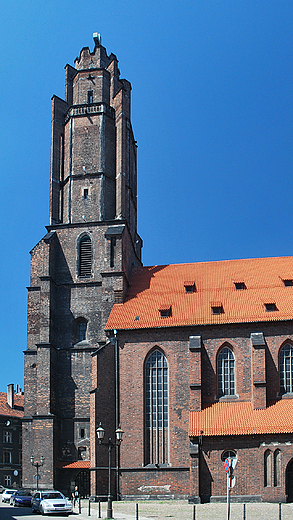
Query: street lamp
point(37, 465)
point(119, 434)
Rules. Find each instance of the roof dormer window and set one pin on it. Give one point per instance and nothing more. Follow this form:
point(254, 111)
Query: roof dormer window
point(165, 311)
point(217, 307)
point(270, 306)
point(288, 282)
point(239, 286)
point(189, 287)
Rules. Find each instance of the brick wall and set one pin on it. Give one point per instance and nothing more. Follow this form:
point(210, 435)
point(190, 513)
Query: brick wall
point(192, 385)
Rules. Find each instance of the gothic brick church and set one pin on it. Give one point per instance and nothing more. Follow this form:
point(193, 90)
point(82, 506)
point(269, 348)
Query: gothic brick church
point(195, 361)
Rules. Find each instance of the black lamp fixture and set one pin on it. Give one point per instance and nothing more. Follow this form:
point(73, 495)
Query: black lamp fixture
point(37, 465)
point(100, 434)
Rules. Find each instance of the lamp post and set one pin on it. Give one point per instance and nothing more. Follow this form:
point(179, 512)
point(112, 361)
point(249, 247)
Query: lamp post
point(119, 434)
point(37, 465)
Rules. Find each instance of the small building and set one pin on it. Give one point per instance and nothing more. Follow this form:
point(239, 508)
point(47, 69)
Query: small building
point(11, 414)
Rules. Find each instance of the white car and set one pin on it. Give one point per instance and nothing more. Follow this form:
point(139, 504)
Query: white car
point(7, 494)
point(47, 502)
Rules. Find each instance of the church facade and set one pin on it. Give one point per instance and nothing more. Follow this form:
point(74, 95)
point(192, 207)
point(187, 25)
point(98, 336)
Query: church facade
point(193, 360)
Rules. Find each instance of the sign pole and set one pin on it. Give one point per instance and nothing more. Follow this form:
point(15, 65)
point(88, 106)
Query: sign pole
point(228, 495)
point(227, 469)
point(229, 466)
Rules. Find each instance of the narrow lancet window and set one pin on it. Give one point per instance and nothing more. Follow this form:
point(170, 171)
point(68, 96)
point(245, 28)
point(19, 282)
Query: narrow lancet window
point(226, 372)
point(286, 369)
point(156, 409)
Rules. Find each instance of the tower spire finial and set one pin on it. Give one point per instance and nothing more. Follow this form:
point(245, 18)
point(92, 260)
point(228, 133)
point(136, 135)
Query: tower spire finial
point(97, 38)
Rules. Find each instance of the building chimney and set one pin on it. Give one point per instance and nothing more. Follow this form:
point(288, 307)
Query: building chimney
point(10, 395)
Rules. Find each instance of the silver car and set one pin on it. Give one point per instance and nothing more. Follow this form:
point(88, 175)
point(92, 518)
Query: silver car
point(7, 493)
point(47, 502)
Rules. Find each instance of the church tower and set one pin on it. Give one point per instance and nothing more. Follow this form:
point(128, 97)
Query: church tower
point(79, 269)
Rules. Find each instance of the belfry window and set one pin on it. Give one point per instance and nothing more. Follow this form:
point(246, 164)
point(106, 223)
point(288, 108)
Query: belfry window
point(90, 97)
point(286, 369)
point(226, 372)
point(85, 257)
point(81, 331)
point(156, 409)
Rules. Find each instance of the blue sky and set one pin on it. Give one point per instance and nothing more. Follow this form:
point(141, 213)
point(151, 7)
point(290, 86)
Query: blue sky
point(212, 112)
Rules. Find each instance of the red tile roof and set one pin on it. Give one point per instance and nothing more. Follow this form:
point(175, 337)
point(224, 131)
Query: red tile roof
point(157, 287)
point(5, 409)
point(241, 419)
point(82, 464)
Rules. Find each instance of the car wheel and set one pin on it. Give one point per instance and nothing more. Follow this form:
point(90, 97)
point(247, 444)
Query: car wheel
point(42, 511)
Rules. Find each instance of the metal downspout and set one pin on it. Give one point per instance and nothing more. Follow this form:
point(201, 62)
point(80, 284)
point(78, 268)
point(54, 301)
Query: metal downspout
point(117, 413)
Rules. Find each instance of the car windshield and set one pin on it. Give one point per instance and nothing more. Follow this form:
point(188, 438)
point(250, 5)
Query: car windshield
point(9, 492)
point(49, 496)
point(23, 494)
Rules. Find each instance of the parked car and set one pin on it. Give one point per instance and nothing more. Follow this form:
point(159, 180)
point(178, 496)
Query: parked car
point(21, 498)
point(7, 494)
point(46, 502)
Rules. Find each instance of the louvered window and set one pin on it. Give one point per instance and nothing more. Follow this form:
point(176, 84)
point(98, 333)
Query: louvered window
point(85, 257)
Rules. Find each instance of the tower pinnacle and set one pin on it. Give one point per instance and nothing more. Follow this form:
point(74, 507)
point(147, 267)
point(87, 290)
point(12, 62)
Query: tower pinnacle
point(97, 38)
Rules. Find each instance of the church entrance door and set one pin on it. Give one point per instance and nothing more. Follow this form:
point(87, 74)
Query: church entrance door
point(82, 480)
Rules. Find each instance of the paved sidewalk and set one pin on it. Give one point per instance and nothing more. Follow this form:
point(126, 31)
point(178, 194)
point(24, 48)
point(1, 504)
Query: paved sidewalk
point(181, 510)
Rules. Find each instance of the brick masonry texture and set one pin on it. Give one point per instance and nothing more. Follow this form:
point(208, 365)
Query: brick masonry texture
point(70, 384)
point(74, 381)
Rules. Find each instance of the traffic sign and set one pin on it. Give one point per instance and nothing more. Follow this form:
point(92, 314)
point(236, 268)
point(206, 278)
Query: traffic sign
point(227, 465)
point(234, 462)
point(232, 481)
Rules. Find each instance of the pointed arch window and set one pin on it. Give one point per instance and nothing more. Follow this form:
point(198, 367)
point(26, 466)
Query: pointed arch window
point(268, 468)
point(286, 369)
point(80, 330)
point(277, 468)
point(226, 372)
point(85, 257)
point(156, 409)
